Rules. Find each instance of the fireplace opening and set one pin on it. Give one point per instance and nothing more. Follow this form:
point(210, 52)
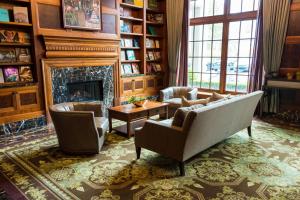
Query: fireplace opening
point(85, 91)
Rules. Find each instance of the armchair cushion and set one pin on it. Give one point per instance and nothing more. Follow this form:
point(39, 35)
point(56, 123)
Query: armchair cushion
point(177, 102)
point(187, 103)
point(166, 94)
point(192, 95)
point(181, 114)
point(216, 96)
point(102, 125)
point(95, 107)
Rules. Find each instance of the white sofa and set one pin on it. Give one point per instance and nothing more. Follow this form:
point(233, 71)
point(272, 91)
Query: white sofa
point(201, 129)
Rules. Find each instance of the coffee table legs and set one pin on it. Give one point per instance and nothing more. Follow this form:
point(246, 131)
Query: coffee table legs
point(128, 129)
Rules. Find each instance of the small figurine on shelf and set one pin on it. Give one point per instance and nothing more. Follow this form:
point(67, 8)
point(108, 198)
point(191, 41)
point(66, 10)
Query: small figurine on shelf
point(298, 75)
point(290, 76)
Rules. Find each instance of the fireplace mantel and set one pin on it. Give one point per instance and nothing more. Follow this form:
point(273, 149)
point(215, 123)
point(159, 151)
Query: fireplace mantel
point(61, 47)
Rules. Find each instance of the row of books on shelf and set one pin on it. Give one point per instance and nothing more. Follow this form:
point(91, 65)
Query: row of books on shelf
point(153, 55)
point(127, 42)
point(127, 69)
point(150, 43)
point(153, 68)
point(16, 74)
point(20, 15)
point(135, 2)
point(157, 18)
point(9, 36)
point(12, 55)
point(127, 55)
point(128, 27)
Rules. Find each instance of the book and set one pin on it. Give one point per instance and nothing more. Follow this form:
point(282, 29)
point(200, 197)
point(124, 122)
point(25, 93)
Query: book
point(139, 3)
point(149, 68)
point(158, 67)
point(130, 55)
point(135, 68)
point(21, 14)
point(136, 42)
point(128, 42)
point(122, 69)
point(23, 37)
point(157, 55)
point(25, 74)
point(7, 55)
point(122, 43)
point(1, 76)
point(127, 68)
point(123, 56)
point(23, 55)
point(153, 4)
point(137, 28)
point(151, 30)
point(126, 27)
point(148, 45)
point(11, 74)
point(4, 15)
point(151, 55)
point(157, 44)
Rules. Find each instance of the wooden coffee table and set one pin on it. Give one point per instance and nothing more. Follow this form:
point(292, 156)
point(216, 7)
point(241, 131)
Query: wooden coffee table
point(135, 116)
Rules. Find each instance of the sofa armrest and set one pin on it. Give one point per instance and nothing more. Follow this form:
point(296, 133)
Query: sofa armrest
point(94, 107)
point(192, 95)
point(166, 94)
point(161, 138)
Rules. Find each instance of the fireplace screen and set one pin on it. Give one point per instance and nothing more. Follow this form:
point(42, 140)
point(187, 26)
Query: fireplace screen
point(85, 91)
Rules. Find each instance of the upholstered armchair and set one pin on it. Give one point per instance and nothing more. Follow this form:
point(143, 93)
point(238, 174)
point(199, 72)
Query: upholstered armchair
point(80, 127)
point(172, 95)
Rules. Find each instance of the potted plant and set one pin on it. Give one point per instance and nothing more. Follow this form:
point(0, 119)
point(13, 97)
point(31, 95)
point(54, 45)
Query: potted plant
point(138, 101)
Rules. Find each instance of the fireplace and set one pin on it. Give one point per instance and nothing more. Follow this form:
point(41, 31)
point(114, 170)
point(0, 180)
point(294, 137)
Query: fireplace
point(85, 91)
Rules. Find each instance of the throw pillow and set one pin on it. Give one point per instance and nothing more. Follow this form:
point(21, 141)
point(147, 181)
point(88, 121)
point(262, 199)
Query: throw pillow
point(216, 96)
point(181, 113)
point(188, 103)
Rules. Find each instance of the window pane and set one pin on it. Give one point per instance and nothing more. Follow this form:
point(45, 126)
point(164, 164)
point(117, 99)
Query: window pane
point(198, 49)
point(198, 35)
point(197, 64)
point(191, 33)
point(207, 48)
point(219, 7)
point(192, 9)
point(215, 82)
point(247, 5)
point(235, 6)
point(218, 31)
point(246, 29)
point(230, 82)
point(216, 65)
point(205, 81)
point(231, 65)
point(191, 47)
point(242, 83)
point(199, 8)
point(190, 65)
point(209, 8)
point(206, 65)
point(254, 29)
point(233, 48)
point(243, 67)
point(217, 49)
point(245, 48)
point(196, 79)
point(207, 32)
point(234, 30)
point(190, 79)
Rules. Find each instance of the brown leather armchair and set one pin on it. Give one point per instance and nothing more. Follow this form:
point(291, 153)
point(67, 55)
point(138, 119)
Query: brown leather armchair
point(80, 127)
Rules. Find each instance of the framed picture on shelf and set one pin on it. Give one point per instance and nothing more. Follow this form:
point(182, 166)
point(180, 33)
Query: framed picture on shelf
point(4, 15)
point(7, 55)
point(128, 42)
point(11, 74)
point(23, 37)
point(157, 55)
point(23, 55)
point(82, 14)
point(130, 55)
point(25, 74)
point(158, 67)
point(136, 42)
point(135, 68)
point(1, 76)
point(151, 55)
point(127, 68)
point(122, 43)
point(137, 29)
point(21, 14)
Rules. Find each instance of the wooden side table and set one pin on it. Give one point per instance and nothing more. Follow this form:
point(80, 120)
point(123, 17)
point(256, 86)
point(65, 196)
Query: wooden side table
point(134, 116)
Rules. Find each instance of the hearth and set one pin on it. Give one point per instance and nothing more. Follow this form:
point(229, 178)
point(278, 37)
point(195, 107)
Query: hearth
point(85, 91)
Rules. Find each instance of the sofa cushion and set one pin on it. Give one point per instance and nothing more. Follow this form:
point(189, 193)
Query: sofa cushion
point(216, 96)
point(181, 114)
point(188, 103)
point(175, 102)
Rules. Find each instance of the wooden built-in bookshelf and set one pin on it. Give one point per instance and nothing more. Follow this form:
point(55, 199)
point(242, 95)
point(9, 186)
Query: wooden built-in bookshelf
point(148, 81)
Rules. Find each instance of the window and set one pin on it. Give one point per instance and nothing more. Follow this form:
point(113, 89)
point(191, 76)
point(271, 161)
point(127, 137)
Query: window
point(221, 40)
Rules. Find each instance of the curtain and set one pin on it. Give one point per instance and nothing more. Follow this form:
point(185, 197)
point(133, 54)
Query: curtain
point(182, 69)
point(256, 81)
point(174, 25)
point(275, 22)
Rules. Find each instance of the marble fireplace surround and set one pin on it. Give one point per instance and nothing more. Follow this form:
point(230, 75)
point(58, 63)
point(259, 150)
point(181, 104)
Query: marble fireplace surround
point(79, 60)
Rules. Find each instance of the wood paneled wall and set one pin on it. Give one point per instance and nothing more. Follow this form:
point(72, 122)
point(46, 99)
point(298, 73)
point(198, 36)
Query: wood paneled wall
point(291, 57)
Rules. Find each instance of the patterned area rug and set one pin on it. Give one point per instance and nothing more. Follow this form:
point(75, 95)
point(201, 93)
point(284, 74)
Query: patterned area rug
point(267, 166)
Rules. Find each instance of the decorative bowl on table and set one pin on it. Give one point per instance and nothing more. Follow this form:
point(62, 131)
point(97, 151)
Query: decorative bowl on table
point(140, 103)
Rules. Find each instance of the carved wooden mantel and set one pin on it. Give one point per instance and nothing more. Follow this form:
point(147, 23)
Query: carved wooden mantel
point(69, 52)
point(61, 47)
